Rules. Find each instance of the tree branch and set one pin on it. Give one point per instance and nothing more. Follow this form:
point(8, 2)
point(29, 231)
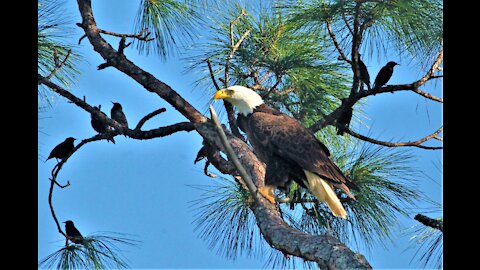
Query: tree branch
point(416, 143)
point(335, 42)
point(148, 117)
point(212, 76)
point(431, 71)
point(430, 222)
point(120, 129)
point(58, 65)
point(351, 100)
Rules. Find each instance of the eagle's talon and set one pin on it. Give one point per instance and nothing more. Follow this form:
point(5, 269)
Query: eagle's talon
point(267, 194)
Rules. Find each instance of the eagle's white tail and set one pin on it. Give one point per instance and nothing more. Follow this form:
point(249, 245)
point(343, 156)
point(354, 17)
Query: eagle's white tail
point(325, 193)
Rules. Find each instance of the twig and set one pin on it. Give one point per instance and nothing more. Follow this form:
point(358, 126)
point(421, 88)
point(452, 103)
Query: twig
point(58, 65)
point(80, 40)
point(212, 76)
point(416, 143)
point(346, 21)
point(148, 117)
point(335, 42)
point(430, 73)
point(234, 45)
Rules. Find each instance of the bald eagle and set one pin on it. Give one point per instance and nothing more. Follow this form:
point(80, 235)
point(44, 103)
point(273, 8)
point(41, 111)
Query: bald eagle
point(289, 150)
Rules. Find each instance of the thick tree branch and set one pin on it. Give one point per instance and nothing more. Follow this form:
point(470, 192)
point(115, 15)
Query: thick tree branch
point(356, 40)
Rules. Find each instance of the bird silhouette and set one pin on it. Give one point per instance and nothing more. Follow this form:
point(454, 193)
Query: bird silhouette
point(63, 149)
point(74, 235)
point(384, 75)
point(344, 118)
point(364, 76)
point(117, 114)
point(99, 126)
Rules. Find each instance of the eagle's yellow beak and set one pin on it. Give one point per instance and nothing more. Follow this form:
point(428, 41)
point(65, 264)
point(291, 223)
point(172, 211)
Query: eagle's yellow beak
point(221, 94)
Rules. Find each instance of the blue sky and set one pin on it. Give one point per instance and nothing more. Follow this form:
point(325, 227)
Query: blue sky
point(143, 187)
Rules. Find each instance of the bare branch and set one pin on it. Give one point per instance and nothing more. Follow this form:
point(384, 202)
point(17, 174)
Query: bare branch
point(346, 21)
point(148, 117)
point(430, 73)
point(335, 42)
point(139, 36)
point(416, 143)
point(58, 65)
point(232, 52)
point(119, 129)
point(427, 95)
point(228, 107)
point(212, 76)
point(351, 100)
point(430, 222)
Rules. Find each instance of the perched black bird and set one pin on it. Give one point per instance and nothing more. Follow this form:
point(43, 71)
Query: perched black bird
point(72, 232)
point(384, 75)
point(99, 126)
point(202, 153)
point(344, 118)
point(364, 76)
point(117, 114)
point(63, 149)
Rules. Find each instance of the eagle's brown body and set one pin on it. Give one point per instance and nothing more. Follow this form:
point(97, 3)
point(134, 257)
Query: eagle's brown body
point(288, 148)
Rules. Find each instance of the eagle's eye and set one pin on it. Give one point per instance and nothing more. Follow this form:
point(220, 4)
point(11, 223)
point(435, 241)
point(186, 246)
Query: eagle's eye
point(230, 92)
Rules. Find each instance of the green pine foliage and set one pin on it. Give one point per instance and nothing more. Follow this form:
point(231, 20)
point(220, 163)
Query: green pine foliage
point(171, 23)
point(54, 30)
point(412, 28)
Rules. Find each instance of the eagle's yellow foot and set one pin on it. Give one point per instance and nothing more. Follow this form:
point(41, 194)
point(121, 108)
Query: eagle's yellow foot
point(267, 193)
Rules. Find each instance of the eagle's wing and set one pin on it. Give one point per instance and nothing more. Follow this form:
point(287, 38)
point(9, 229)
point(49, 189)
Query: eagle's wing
point(288, 138)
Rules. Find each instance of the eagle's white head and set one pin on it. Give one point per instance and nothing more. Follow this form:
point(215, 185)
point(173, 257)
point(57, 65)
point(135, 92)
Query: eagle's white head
point(245, 99)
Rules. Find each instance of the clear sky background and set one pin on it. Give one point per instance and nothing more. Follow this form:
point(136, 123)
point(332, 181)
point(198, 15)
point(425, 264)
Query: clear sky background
point(143, 187)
